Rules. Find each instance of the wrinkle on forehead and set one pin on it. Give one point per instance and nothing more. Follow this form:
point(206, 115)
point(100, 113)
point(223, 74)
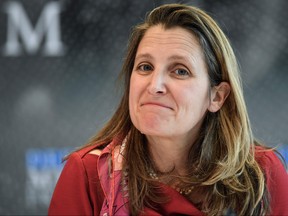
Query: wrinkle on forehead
point(181, 38)
point(186, 44)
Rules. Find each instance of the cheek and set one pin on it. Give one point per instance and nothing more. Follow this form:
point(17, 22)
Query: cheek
point(132, 90)
point(194, 100)
point(133, 97)
point(138, 85)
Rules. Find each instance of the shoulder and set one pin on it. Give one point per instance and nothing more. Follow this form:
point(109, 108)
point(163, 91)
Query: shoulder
point(86, 150)
point(87, 154)
point(78, 191)
point(273, 168)
point(85, 159)
point(88, 158)
point(267, 158)
point(276, 179)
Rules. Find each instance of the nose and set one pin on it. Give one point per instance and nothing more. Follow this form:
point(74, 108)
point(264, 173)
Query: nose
point(157, 85)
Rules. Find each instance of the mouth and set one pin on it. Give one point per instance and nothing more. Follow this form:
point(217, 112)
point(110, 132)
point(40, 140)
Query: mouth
point(156, 104)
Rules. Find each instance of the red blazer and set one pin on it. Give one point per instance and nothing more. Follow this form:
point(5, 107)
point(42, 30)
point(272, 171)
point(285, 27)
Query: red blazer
point(78, 190)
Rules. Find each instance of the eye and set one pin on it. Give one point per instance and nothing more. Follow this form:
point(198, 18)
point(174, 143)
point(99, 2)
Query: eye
point(145, 67)
point(181, 73)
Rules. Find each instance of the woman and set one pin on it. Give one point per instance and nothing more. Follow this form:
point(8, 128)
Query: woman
point(180, 141)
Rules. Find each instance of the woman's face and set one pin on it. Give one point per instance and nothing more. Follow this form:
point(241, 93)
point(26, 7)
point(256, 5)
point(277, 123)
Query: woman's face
point(169, 86)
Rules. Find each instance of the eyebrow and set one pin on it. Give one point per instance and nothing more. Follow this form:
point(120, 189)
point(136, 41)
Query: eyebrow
point(144, 55)
point(191, 62)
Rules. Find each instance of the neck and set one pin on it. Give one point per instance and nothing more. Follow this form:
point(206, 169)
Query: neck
point(169, 154)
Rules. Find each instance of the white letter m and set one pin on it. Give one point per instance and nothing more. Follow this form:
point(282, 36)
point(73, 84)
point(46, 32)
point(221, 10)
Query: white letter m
point(19, 25)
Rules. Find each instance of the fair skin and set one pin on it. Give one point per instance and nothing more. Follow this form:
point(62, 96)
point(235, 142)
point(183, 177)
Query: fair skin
point(169, 94)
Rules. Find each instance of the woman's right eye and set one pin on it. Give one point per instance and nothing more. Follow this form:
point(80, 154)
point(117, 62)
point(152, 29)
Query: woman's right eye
point(145, 67)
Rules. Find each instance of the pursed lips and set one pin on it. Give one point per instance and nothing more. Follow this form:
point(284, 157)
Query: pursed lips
point(156, 104)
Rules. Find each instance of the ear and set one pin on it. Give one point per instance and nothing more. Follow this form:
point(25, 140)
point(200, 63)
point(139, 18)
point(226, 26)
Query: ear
point(218, 96)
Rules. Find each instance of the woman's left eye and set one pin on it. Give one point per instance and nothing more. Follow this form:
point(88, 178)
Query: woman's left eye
point(181, 72)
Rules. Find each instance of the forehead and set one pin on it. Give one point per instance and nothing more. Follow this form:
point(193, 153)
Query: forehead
point(175, 37)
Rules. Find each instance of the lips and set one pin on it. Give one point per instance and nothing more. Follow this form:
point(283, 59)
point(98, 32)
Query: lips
point(152, 103)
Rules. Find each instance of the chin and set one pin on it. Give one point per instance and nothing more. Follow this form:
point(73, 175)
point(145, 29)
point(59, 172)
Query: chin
point(151, 126)
point(154, 132)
